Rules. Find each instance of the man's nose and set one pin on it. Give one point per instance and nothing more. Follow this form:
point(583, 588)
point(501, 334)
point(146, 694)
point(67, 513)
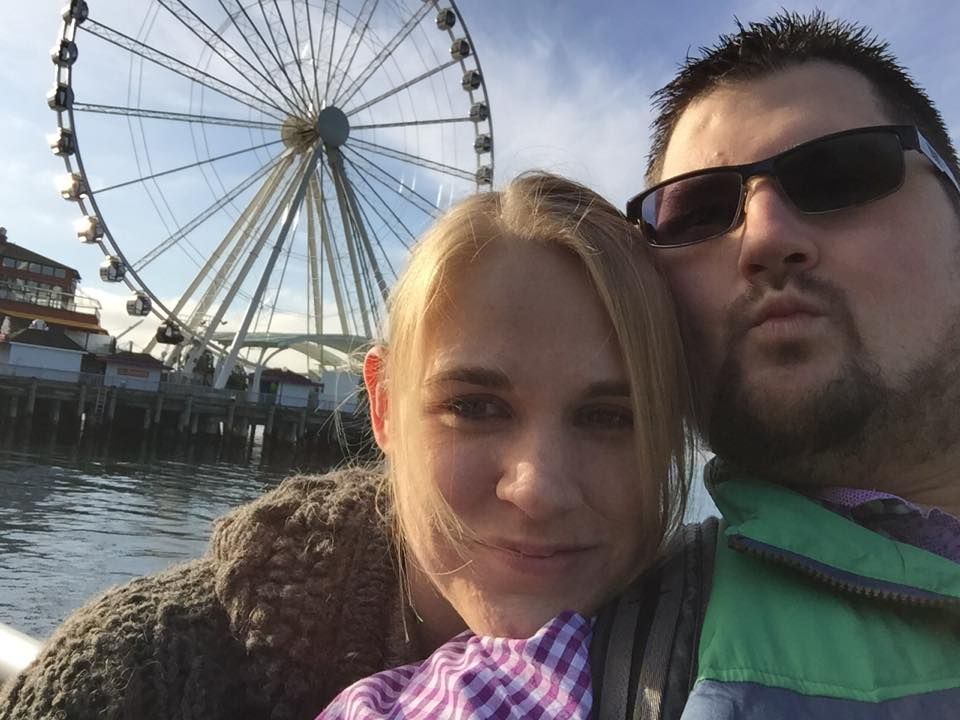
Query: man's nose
point(540, 478)
point(776, 240)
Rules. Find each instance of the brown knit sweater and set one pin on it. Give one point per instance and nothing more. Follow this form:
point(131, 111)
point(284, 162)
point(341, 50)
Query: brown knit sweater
point(297, 598)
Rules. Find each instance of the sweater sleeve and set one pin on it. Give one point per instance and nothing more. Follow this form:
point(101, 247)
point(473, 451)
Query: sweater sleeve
point(157, 647)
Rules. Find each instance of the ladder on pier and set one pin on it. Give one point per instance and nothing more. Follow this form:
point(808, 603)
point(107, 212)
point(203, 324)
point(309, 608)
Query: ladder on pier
point(100, 405)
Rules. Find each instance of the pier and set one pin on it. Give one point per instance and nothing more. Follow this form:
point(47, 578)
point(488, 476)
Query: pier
point(70, 408)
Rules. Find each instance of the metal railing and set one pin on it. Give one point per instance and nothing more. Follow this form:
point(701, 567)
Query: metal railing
point(42, 297)
point(16, 652)
point(64, 376)
point(178, 386)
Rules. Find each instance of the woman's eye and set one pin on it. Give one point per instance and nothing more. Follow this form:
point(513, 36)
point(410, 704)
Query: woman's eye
point(468, 408)
point(605, 418)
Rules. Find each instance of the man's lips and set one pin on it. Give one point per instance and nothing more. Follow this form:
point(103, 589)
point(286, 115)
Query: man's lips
point(782, 309)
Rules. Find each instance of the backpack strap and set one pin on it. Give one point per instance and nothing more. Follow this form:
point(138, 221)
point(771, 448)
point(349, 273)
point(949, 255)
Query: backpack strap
point(644, 650)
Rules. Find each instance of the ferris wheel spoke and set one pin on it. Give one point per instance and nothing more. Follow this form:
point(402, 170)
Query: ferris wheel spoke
point(333, 44)
point(156, 196)
point(427, 207)
point(313, 51)
point(252, 26)
point(278, 57)
point(412, 123)
point(245, 36)
point(174, 116)
point(182, 232)
point(299, 52)
point(374, 318)
point(400, 88)
point(396, 218)
point(296, 53)
point(385, 53)
point(354, 41)
point(210, 38)
point(376, 239)
point(180, 68)
point(163, 173)
point(372, 206)
point(412, 159)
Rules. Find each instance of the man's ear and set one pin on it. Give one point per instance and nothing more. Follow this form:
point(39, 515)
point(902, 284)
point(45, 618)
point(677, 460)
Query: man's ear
point(374, 377)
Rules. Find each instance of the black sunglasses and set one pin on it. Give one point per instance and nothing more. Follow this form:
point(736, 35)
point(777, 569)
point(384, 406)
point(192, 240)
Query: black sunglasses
point(832, 172)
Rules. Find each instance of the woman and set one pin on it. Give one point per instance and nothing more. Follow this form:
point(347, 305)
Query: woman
point(530, 404)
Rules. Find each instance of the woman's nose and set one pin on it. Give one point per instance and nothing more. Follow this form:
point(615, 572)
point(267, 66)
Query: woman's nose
point(540, 478)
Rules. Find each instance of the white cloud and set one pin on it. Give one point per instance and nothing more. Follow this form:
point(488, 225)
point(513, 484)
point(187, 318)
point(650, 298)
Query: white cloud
point(561, 105)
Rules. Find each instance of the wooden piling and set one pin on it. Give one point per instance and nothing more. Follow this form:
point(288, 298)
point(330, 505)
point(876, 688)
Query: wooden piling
point(158, 408)
point(31, 399)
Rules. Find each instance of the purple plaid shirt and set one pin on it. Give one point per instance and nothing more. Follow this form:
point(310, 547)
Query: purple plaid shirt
point(472, 677)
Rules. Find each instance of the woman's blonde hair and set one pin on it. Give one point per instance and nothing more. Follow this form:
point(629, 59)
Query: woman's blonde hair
point(554, 212)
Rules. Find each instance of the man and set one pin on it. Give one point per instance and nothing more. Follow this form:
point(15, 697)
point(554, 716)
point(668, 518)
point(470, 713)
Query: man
point(803, 202)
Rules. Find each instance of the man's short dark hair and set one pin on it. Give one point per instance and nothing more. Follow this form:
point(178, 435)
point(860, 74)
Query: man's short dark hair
point(785, 40)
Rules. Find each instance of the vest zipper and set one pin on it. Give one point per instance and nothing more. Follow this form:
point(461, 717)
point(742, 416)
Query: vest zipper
point(763, 551)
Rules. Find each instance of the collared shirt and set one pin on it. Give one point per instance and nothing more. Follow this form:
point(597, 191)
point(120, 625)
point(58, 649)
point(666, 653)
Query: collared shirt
point(473, 677)
point(931, 529)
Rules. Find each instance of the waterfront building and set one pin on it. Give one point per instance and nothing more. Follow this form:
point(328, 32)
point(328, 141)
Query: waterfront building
point(137, 371)
point(290, 389)
point(41, 352)
point(35, 287)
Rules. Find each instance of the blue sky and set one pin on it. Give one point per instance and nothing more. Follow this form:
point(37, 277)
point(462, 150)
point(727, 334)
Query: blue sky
point(569, 84)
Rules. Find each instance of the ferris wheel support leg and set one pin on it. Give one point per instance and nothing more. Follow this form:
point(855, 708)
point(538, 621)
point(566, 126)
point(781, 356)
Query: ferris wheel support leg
point(192, 326)
point(364, 236)
point(258, 371)
point(243, 227)
point(314, 262)
point(340, 184)
point(291, 212)
point(276, 217)
point(321, 203)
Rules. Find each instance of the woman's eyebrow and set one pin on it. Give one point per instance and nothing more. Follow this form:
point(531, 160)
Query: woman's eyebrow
point(472, 375)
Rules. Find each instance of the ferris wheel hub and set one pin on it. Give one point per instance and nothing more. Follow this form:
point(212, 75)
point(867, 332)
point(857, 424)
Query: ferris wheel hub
point(298, 133)
point(333, 126)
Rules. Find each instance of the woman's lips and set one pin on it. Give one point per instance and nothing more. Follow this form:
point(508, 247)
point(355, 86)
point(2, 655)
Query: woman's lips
point(535, 560)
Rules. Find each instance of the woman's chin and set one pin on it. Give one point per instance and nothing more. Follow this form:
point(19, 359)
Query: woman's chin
point(520, 618)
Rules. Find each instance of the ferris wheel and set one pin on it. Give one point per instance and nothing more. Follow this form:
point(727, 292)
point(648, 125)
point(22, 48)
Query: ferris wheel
point(254, 171)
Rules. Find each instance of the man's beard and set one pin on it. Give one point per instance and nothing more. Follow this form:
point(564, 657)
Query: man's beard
point(844, 430)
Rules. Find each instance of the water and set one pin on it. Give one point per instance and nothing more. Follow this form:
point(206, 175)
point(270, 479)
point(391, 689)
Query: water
point(73, 522)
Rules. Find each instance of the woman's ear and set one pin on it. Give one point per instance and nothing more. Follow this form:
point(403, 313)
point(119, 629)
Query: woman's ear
point(374, 377)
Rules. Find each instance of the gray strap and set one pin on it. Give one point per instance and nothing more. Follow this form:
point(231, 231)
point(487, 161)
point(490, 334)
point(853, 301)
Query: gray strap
point(659, 647)
point(616, 673)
